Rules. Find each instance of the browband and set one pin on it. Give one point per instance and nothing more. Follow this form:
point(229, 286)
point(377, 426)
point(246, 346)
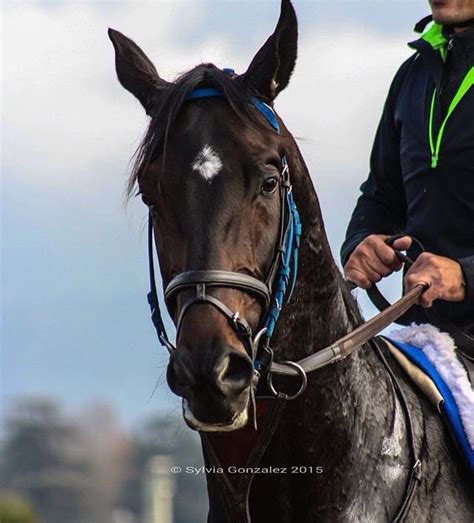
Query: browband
point(212, 92)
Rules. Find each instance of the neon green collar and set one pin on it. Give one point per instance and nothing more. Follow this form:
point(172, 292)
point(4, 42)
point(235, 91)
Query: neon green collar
point(434, 36)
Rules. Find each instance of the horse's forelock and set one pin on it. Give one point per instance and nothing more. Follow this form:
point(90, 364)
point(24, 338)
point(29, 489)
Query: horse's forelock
point(169, 102)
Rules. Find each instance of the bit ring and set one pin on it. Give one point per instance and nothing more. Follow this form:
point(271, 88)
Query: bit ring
point(301, 373)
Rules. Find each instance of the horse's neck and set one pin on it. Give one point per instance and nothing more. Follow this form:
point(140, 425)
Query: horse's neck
point(347, 398)
point(319, 312)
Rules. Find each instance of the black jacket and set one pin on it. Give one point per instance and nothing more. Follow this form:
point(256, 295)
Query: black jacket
point(424, 186)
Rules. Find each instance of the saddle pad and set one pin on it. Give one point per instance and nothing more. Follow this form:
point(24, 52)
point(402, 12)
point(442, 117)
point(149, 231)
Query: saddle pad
point(441, 376)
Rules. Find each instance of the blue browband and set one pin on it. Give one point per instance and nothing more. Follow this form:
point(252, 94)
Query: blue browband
point(211, 92)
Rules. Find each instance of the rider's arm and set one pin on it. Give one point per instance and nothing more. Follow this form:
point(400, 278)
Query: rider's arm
point(381, 208)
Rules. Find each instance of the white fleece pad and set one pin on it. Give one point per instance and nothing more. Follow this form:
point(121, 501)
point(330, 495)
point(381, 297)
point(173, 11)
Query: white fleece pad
point(439, 347)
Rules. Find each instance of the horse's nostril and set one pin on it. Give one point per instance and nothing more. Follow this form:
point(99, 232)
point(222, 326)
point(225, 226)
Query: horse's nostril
point(171, 374)
point(226, 373)
point(237, 373)
point(179, 376)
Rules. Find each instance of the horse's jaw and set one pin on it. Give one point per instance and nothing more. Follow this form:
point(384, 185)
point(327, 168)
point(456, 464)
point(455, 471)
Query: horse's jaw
point(240, 420)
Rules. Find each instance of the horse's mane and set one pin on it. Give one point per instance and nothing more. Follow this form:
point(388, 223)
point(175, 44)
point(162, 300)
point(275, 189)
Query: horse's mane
point(168, 102)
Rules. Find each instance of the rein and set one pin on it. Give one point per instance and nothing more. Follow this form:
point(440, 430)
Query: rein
point(346, 345)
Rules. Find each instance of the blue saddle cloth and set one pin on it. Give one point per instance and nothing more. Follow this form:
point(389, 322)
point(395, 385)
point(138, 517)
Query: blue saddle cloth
point(449, 408)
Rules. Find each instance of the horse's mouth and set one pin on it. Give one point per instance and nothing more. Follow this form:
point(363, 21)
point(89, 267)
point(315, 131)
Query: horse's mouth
point(238, 421)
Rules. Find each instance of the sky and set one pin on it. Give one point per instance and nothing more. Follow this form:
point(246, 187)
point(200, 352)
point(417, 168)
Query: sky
point(75, 322)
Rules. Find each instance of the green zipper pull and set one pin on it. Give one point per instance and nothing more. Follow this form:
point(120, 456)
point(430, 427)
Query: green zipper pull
point(434, 155)
point(435, 145)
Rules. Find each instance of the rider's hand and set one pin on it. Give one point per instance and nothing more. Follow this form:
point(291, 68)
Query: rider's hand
point(443, 275)
point(373, 259)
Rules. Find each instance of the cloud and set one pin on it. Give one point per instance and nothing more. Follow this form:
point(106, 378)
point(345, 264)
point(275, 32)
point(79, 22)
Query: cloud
point(336, 97)
point(65, 113)
point(74, 268)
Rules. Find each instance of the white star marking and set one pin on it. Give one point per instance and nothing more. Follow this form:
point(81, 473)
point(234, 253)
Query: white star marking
point(207, 163)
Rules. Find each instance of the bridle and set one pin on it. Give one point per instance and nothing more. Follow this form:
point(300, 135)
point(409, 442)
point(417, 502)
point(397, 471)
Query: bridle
point(274, 292)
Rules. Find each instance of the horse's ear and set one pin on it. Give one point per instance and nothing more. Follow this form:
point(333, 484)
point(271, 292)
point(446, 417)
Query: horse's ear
point(134, 70)
point(271, 68)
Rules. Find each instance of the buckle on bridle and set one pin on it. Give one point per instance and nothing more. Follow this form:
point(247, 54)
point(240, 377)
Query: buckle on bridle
point(241, 326)
point(417, 470)
point(264, 361)
point(201, 291)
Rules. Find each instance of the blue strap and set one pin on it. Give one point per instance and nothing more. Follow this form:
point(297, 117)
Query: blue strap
point(204, 92)
point(157, 320)
point(296, 243)
point(212, 92)
point(288, 269)
point(267, 111)
point(152, 296)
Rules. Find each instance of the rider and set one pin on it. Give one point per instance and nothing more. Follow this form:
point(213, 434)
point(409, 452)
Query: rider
point(421, 179)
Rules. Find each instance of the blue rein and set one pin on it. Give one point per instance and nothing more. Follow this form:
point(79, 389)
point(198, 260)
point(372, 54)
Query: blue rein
point(284, 277)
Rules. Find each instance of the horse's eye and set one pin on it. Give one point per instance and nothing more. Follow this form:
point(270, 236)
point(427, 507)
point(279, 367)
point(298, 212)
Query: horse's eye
point(269, 185)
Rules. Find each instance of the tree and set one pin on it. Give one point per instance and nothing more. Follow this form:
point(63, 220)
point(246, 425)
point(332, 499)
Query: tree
point(169, 436)
point(108, 450)
point(85, 470)
point(43, 461)
point(14, 509)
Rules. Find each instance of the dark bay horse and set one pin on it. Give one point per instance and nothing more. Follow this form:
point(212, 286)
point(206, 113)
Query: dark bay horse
point(210, 170)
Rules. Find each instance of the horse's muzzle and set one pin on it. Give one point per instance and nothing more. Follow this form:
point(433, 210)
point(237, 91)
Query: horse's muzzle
point(216, 385)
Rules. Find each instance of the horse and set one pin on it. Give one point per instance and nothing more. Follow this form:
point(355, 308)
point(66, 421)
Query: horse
point(211, 170)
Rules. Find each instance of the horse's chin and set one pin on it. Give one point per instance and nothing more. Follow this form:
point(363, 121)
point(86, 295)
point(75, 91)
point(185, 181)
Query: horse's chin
point(239, 420)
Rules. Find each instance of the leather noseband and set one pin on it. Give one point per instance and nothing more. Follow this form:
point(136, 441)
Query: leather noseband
point(202, 280)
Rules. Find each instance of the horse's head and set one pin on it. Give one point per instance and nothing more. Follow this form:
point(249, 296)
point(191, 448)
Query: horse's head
point(210, 170)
